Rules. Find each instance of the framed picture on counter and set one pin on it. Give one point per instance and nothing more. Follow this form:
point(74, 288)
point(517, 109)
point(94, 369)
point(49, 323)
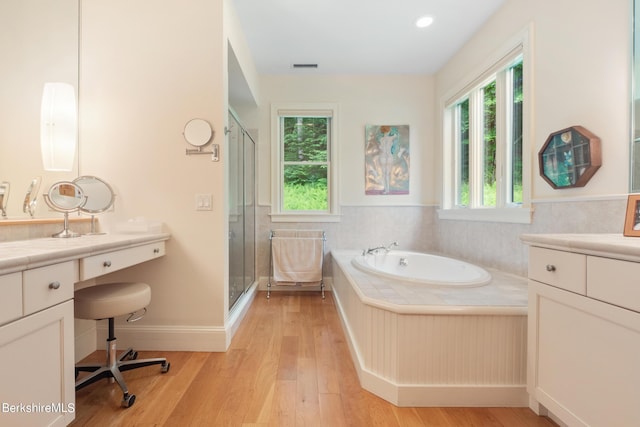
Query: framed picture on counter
point(632, 219)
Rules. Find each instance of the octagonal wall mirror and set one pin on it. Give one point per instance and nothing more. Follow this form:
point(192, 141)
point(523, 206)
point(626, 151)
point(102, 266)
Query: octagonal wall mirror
point(570, 157)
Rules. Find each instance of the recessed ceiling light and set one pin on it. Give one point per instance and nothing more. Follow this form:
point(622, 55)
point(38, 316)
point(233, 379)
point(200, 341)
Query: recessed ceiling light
point(424, 21)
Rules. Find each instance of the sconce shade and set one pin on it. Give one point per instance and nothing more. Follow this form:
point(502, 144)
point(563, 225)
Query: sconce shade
point(58, 127)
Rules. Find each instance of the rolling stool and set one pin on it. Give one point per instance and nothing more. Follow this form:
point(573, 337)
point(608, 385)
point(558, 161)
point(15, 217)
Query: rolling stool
point(107, 302)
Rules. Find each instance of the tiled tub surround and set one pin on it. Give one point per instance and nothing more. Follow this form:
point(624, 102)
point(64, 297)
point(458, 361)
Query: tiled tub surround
point(418, 228)
point(416, 345)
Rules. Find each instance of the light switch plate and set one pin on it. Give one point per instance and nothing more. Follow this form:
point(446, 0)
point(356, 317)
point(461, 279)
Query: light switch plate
point(204, 202)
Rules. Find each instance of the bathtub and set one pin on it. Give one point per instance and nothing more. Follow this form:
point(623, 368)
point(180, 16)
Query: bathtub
point(422, 268)
point(417, 344)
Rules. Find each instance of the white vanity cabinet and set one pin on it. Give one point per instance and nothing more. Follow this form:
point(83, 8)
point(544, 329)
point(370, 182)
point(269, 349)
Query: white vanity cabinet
point(584, 330)
point(37, 371)
point(36, 350)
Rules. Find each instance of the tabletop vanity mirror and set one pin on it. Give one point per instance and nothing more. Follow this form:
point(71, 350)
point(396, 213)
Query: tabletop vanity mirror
point(65, 197)
point(100, 197)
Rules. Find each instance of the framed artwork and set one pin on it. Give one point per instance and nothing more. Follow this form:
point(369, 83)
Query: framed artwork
point(632, 219)
point(387, 159)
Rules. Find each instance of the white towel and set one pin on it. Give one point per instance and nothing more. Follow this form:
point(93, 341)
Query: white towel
point(297, 259)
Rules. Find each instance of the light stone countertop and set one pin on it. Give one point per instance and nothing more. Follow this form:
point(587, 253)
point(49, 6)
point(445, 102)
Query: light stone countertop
point(506, 294)
point(26, 254)
point(605, 245)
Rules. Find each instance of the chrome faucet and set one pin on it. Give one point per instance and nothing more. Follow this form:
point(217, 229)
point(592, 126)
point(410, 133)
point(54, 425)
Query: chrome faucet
point(379, 248)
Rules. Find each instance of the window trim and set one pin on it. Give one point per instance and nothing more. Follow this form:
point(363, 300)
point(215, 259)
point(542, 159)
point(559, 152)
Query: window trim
point(304, 109)
point(519, 45)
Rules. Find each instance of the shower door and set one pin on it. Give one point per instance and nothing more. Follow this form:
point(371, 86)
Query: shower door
point(242, 215)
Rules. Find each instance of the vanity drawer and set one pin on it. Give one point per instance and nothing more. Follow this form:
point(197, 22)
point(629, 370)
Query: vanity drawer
point(565, 270)
point(47, 286)
point(97, 265)
point(11, 300)
point(614, 281)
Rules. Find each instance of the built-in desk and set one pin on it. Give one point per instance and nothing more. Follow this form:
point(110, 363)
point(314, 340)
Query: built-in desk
point(37, 278)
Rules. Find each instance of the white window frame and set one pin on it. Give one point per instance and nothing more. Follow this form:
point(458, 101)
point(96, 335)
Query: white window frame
point(494, 67)
point(309, 110)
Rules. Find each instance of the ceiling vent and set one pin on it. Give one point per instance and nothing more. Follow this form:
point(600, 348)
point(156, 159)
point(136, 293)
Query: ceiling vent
point(305, 66)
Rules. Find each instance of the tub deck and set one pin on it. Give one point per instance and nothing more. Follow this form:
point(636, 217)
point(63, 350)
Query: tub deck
point(505, 294)
point(419, 345)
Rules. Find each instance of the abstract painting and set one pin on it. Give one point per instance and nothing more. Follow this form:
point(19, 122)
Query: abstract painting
point(387, 159)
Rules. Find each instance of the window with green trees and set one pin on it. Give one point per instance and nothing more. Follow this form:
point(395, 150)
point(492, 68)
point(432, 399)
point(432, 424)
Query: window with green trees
point(487, 138)
point(305, 162)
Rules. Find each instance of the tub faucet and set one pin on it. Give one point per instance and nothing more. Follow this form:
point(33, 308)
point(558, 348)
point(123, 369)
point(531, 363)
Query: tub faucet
point(380, 248)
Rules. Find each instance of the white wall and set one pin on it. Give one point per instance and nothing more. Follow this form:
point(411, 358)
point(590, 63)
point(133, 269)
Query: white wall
point(362, 100)
point(581, 75)
point(146, 70)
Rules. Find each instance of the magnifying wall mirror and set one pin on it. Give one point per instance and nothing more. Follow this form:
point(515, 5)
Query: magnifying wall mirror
point(31, 198)
point(99, 194)
point(65, 196)
point(198, 132)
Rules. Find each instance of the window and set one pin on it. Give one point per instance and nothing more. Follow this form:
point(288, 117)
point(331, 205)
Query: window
point(484, 138)
point(304, 172)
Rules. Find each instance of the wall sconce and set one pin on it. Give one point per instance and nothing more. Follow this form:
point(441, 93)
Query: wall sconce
point(58, 126)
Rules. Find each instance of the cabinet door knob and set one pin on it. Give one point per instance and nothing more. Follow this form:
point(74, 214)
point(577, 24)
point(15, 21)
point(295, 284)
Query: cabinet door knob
point(54, 285)
point(107, 264)
point(551, 267)
point(156, 251)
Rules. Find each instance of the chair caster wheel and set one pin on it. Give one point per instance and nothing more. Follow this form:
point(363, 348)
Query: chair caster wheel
point(165, 367)
point(133, 355)
point(128, 400)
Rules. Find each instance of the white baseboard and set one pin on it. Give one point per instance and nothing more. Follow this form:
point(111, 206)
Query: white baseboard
point(435, 395)
point(169, 337)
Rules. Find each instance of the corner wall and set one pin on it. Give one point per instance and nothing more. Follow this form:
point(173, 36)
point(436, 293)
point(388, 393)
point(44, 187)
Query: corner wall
point(581, 76)
point(146, 70)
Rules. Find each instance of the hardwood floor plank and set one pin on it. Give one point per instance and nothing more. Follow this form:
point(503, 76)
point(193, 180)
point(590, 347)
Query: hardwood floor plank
point(328, 381)
point(283, 413)
point(307, 399)
point(331, 410)
point(518, 417)
point(288, 365)
point(434, 417)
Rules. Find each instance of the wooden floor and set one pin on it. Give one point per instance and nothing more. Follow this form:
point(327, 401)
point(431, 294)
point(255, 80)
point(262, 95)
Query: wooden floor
point(288, 365)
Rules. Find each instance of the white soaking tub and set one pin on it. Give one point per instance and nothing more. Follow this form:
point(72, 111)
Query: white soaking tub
point(422, 268)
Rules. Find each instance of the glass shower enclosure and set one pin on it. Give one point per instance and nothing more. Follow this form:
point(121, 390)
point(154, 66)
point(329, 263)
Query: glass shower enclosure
point(242, 209)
